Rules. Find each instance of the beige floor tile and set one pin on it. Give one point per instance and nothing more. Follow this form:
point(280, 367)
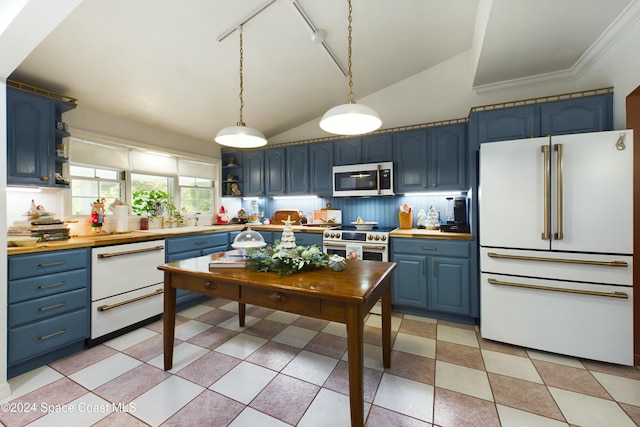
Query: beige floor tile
point(512, 366)
point(623, 390)
point(511, 417)
point(425, 347)
point(457, 335)
point(472, 382)
point(587, 411)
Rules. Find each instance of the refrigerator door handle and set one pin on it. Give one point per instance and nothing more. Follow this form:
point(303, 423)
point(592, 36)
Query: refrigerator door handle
point(559, 235)
point(546, 173)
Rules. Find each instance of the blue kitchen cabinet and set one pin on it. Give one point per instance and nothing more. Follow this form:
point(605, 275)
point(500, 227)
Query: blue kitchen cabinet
point(508, 123)
point(431, 159)
point(48, 307)
point(275, 172)
point(32, 138)
point(366, 149)
point(231, 173)
point(298, 170)
point(184, 247)
point(321, 168)
point(433, 278)
point(253, 173)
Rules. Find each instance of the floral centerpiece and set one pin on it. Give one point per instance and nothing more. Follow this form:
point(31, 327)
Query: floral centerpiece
point(285, 257)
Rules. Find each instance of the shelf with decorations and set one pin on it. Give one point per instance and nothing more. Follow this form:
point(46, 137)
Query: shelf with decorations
point(231, 174)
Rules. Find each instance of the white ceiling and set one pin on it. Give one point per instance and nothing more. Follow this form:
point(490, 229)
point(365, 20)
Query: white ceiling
point(159, 61)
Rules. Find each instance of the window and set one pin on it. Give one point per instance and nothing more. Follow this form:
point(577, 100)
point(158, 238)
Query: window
point(90, 184)
point(150, 182)
point(196, 194)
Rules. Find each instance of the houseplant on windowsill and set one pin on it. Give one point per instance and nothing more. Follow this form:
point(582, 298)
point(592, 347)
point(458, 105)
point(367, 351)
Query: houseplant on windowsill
point(154, 203)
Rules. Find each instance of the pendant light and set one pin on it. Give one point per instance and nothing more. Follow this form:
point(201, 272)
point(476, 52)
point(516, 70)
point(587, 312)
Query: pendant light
point(350, 118)
point(240, 135)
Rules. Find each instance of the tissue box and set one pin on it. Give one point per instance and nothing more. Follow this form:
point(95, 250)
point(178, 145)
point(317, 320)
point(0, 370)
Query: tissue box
point(327, 216)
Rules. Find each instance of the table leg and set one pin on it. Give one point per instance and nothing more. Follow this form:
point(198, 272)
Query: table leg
point(386, 327)
point(169, 321)
point(242, 311)
point(355, 348)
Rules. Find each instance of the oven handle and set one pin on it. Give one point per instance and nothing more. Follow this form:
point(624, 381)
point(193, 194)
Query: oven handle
point(616, 294)
point(344, 245)
point(136, 251)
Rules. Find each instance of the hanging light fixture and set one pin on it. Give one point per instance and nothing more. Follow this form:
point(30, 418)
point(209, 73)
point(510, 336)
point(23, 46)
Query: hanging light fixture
point(350, 118)
point(241, 135)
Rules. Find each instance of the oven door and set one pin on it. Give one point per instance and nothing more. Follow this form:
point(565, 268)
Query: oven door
point(371, 252)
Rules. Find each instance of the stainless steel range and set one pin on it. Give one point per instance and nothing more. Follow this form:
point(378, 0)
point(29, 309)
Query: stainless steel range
point(351, 243)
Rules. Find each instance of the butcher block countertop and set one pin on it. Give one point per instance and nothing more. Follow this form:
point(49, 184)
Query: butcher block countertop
point(429, 234)
point(157, 234)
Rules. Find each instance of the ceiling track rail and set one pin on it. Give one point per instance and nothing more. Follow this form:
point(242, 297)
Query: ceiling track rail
point(304, 16)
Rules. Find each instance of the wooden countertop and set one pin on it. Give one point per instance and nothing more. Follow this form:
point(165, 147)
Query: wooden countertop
point(429, 234)
point(156, 234)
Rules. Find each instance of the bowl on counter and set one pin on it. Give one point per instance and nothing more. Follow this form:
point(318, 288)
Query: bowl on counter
point(22, 241)
point(365, 226)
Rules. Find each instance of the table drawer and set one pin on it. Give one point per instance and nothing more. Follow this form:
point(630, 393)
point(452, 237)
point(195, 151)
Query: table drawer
point(50, 284)
point(208, 287)
point(46, 307)
point(29, 265)
point(40, 337)
point(284, 301)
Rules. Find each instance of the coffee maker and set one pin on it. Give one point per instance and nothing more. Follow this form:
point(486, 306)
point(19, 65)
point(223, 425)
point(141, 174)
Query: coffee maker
point(456, 215)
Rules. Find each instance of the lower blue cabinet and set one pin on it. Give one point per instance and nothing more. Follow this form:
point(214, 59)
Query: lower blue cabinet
point(433, 278)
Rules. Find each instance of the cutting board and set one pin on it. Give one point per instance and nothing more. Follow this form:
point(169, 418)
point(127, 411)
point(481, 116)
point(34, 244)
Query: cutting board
point(282, 215)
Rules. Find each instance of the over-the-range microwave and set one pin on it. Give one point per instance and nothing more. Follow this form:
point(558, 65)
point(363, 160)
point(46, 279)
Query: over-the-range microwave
point(369, 179)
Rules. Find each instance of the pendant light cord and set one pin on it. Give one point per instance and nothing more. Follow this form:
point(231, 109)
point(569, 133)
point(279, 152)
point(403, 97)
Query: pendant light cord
point(241, 122)
point(350, 96)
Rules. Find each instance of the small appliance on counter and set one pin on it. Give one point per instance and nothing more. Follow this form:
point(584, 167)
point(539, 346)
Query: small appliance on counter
point(456, 216)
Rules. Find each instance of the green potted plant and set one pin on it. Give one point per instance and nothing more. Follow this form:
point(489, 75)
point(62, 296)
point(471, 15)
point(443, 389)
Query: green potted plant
point(153, 203)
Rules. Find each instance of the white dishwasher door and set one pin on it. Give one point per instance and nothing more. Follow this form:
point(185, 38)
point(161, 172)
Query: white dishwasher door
point(127, 286)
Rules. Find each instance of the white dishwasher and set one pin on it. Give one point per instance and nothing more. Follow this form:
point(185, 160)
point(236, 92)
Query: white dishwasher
point(126, 285)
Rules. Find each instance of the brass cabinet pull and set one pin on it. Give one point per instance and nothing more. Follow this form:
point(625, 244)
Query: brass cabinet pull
point(210, 285)
point(546, 173)
point(278, 297)
point(46, 337)
point(129, 301)
point(559, 235)
point(560, 260)
point(136, 251)
point(428, 248)
point(52, 264)
point(52, 285)
point(200, 243)
point(62, 304)
point(616, 294)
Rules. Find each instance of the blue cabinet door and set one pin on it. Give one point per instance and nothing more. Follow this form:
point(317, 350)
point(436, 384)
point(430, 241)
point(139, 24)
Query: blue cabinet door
point(347, 151)
point(447, 169)
point(320, 168)
point(30, 136)
point(298, 170)
point(589, 114)
point(377, 148)
point(410, 281)
point(449, 287)
point(275, 172)
point(253, 173)
point(507, 123)
point(411, 159)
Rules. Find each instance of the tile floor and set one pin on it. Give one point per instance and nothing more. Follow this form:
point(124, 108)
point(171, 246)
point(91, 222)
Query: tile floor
point(287, 370)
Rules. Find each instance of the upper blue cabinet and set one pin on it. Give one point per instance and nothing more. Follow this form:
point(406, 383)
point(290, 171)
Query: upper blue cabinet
point(432, 159)
point(309, 169)
point(366, 149)
point(34, 131)
point(575, 115)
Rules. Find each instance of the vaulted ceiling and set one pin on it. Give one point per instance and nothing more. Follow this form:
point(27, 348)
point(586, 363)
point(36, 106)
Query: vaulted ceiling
point(160, 61)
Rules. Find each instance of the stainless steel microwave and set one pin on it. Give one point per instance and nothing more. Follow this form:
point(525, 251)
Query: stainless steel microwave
point(370, 179)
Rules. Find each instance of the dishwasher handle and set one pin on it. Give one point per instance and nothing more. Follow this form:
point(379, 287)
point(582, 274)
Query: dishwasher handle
point(135, 251)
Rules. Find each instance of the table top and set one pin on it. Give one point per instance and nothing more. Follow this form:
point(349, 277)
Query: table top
point(353, 285)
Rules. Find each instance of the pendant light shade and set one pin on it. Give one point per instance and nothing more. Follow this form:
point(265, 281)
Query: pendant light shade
point(350, 118)
point(240, 135)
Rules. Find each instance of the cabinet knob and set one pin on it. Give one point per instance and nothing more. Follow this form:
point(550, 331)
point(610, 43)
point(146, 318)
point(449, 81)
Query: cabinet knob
point(44, 178)
point(424, 185)
point(434, 185)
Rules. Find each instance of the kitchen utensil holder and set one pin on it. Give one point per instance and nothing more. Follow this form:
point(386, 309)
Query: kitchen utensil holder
point(405, 219)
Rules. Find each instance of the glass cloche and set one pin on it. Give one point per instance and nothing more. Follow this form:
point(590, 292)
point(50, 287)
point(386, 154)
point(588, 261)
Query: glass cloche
point(248, 239)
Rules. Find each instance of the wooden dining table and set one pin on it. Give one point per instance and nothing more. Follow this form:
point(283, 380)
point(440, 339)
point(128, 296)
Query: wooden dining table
point(338, 296)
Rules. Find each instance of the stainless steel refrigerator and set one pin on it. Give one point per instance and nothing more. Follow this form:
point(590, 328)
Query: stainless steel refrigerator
point(556, 244)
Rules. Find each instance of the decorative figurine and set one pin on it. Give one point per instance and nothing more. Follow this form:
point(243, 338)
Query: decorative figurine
point(432, 222)
point(422, 219)
point(97, 215)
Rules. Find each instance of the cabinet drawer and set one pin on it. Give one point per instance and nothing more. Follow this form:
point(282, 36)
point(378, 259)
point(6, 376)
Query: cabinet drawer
point(431, 247)
point(40, 337)
point(50, 284)
point(46, 307)
point(282, 301)
point(198, 242)
point(30, 265)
